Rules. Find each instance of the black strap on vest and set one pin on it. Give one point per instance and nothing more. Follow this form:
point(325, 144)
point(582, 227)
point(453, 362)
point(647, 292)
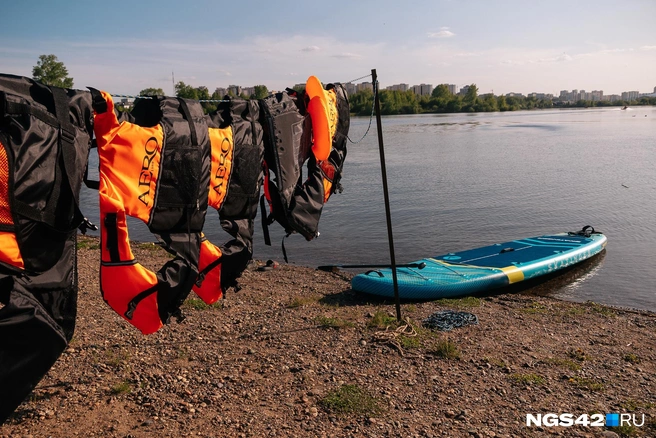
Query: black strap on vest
point(134, 302)
point(192, 125)
point(112, 237)
point(266, 221)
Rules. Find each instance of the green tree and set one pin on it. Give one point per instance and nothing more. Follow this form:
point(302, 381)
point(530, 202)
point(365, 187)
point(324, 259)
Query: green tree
point(50, 71)
point(472, 95)
point(186, 91)
point(151, 92)
point(261, 91)
point(441, 92)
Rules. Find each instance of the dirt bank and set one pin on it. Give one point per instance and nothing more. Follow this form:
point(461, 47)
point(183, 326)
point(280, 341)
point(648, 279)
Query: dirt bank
point(296, 353)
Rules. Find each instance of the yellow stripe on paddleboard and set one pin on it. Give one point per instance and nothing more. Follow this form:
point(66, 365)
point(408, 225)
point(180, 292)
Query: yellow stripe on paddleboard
point(513, 273)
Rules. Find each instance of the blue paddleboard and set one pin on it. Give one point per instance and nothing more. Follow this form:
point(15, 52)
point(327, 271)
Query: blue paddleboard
point(483, 269)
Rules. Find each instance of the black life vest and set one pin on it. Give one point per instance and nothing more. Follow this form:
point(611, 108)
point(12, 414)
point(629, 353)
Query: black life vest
point(309, 127)
point(44, 145)
point(45, 136)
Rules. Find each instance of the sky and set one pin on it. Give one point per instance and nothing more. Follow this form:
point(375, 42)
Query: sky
point(502, 46)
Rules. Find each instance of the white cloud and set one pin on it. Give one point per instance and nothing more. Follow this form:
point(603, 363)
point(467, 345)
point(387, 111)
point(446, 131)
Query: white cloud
point(443, 33)
point(310, 49)
point(648, 48)
point(347, 55)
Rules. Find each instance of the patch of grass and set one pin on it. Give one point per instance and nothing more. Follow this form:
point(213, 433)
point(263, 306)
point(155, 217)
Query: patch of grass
point(495, 361)
point(576, 310)
point(528, 379)
point(410, 308)
point(564, 363)
point(123, 387)
point(589, 384)
point(534, 308)
point(577, 354)
point(330, 322)
point(351, 399)
point(88, 244)
point(463, 303)
point(302, 302)
point(635, 405)
point(446, 349)
point(601, 309)
point(116, 358)
point(409, 341)
point(198, 304)
point(631, 358)
point(381, 320)
point(149, 246)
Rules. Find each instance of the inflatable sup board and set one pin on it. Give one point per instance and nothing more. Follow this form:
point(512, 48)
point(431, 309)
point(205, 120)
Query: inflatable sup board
point(483, 269)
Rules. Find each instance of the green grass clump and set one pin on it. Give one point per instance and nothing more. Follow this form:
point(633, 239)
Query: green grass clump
point(632, 405)
point(528, 379)
point(351, 399)
point(535, 308)
point(602, 310)
point(589, 384)
point(123, 387)
point(302, 302)
point(463, 303)
point(632, 358)
point(564, 363)
point(198, 304)
point(446, 349)
point(330, 322)
point(88, 244)
point(381, 320)
point(577, 354)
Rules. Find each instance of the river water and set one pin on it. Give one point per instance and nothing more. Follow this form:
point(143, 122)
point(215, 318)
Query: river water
point(460, 181)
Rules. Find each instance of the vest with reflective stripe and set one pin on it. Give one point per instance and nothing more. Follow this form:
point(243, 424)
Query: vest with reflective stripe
point(160, 175)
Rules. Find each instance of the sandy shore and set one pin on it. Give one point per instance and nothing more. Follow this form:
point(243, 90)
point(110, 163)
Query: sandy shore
point(296, 353)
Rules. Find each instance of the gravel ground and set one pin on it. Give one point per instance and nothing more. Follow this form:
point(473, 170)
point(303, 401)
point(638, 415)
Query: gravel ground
point(296, 353)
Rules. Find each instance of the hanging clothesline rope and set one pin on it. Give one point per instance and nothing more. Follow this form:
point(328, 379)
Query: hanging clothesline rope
point(371, 117)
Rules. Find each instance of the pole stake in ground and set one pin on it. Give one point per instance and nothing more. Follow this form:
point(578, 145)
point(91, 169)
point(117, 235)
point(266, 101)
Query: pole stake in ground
point(388, 213)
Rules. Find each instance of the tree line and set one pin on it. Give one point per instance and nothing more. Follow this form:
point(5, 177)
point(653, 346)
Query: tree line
point(394, 102)
point(50, 71)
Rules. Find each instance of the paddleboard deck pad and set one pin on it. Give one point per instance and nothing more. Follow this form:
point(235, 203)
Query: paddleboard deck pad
point(483, 269)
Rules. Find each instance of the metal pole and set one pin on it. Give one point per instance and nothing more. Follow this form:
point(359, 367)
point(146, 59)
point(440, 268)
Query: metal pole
point(383, 170)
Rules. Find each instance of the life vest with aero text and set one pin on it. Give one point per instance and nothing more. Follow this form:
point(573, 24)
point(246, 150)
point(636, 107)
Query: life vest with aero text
point(237, 214)
point(162, 176)
point(311, 127)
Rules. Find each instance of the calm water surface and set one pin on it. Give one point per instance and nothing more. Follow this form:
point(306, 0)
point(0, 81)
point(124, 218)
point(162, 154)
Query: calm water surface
point(466, 180)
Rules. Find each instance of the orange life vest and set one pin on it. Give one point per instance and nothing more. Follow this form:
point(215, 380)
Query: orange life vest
point(165, 175)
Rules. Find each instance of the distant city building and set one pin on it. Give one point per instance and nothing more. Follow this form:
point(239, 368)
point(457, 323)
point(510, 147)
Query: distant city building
point(463, 90)
point(453, 88)
point(542, 96)
point(399, 87)
point(654, 90)
point(234, 90)
point(511, 94)
point(630, 95)
point(596, 95)
point(364, 86)
point(422, 90)
point(220, 91)
point(248, 91)
point(349, 87)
